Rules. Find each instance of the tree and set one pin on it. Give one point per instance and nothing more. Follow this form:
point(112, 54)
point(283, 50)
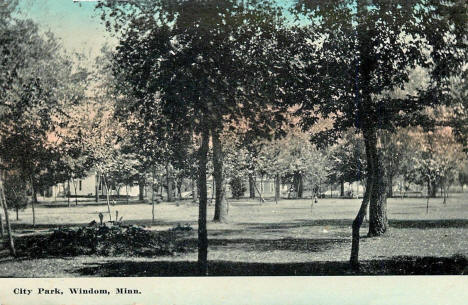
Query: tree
point(347, 159)
point(362, 57)
point(437, 159)
point(35, 90)
point(15, 192)
point(205, 64)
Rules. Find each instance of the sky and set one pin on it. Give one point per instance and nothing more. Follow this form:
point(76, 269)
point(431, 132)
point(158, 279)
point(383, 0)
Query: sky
point(76, 24)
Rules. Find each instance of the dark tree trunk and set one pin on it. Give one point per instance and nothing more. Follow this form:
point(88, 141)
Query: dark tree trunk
point(220, 213)
point(33, 201)
point(433, 188)
point(76, 197)
point(97, 187)
point(300, 189)
point(202, 230)
point(277, 187)
point(68, 192)
point(152, 198)
point(11, 242)
point(354, 259)
point(17, 213)
point(2, 228)
point(141, 189)
point(251, 186)
point(390, 186)
point(179, 188)
point(378, 222)
point(342, 187)
point(170, 197)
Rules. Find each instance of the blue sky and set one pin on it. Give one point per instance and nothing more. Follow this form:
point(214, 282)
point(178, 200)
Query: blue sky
point(76, 24)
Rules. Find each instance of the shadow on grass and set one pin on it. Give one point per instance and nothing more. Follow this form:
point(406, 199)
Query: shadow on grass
point(265, 245)
point(456, 265)
point(399, 224)
point(429, 224)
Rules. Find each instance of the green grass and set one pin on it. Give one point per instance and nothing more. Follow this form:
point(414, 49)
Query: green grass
point(288, 238)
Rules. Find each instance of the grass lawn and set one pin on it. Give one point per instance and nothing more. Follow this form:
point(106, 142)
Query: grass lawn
point(289, 238)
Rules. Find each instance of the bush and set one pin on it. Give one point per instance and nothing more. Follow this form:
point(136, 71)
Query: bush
point(109, 239)
point(237, 187)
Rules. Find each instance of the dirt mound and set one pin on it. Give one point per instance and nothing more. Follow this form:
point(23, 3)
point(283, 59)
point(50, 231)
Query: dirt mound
point(103, 240)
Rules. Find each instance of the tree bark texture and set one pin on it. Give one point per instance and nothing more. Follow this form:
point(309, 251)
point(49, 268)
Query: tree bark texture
point(220, 213)
point(354, 259)
point(202, 206)
point(378, 222)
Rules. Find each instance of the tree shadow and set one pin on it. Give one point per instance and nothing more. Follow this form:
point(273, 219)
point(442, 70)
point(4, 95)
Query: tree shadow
point(456, 265)
point(298, 223)
point(429, 224)
point(267, 245)
point(395, 223)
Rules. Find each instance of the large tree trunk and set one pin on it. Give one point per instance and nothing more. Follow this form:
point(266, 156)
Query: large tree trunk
point(11, 242)
point(202, 230)
point(220, 213)
point(251, 186)
point(170, 197)
point(354, 259)
point(378, 222)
